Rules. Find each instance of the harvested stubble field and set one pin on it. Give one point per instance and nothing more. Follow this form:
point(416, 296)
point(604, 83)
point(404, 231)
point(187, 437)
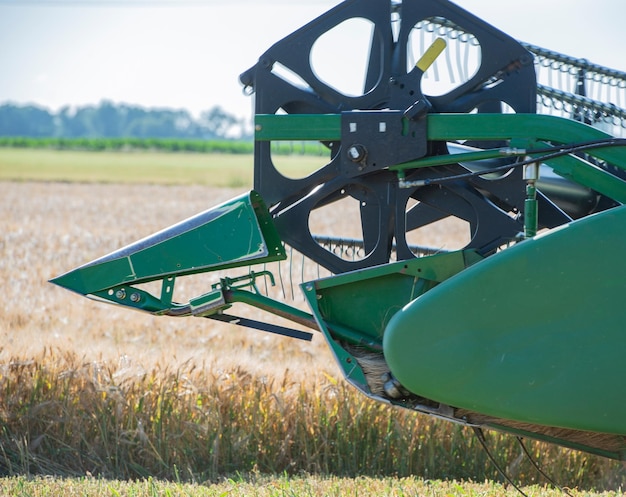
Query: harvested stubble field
point(90, 390)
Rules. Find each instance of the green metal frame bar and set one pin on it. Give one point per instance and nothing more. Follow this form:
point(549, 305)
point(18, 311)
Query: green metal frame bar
point(532, 130)
point(443, 160)
point(314, 127)
point(317, 127)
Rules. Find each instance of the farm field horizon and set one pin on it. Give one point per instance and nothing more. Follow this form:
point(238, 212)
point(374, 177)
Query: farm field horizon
point(62, 354)
point(143, 167)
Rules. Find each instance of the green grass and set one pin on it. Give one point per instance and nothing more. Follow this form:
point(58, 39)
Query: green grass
point(220, 170)
point(267, 486)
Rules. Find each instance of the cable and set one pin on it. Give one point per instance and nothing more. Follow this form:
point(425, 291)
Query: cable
point(541, 472)
point(481, 438)
point(549, 153)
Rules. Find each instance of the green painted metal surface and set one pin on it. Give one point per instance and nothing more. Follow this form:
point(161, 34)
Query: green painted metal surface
point(236, 233)
point(534, 334)
point(322, 127)
point(354, 308)
point(366, 299)
point(346, 361)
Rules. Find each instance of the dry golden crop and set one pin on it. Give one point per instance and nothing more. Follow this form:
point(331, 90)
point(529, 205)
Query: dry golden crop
point(49, 228)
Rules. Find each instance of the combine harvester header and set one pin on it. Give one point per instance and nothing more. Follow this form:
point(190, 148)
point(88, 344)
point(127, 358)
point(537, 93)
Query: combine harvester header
point(522, 329)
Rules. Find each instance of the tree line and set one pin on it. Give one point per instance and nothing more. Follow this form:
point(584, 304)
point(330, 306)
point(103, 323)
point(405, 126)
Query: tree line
point(110, 121)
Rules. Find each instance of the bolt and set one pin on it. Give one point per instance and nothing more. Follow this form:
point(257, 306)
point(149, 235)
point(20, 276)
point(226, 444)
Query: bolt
point(357, 153)
point(135, 297)
point(120, 294)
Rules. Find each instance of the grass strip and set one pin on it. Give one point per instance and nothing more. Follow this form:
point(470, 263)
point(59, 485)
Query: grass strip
point(219, 170)
point(272, 486)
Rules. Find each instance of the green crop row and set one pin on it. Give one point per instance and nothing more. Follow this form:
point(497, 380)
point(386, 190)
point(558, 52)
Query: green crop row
point(122, 144)
point(160, 144)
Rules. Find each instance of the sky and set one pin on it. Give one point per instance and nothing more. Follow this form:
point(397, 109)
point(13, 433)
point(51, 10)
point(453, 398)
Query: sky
point(189, 53)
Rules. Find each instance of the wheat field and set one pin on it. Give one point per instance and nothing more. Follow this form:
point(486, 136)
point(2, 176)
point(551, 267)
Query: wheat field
point(152, 386)
point(49, 228)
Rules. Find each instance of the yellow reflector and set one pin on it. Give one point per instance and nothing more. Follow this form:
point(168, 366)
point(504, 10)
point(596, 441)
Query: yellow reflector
point(431, 54)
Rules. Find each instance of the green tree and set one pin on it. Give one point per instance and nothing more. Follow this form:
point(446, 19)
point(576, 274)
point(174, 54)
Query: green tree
point(26, 121)
point(216, 122)
point(109, 120)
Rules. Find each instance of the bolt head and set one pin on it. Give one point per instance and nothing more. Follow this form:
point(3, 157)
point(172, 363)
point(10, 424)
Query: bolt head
point(357, 153)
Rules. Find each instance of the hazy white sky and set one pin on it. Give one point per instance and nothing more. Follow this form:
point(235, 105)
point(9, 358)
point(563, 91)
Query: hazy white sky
point(189, 53)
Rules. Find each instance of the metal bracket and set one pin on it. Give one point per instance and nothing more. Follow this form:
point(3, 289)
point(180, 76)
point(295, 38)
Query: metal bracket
point(391, 139)
point(248, 280)
point(259, 325)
